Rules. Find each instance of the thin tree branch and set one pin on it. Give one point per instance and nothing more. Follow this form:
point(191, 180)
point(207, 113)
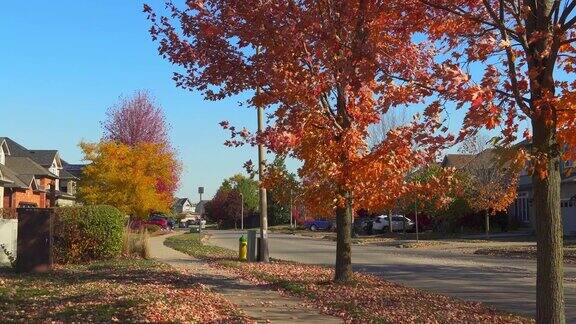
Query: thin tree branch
point(460, 12)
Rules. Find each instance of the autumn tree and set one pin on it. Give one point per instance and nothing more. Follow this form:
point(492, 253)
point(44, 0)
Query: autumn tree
point(126, 176)
point(136, 119)
point(429, 189)
point(489, 182)
point(390, 120)
point(247, 187)
point(225, 207)
point(284, 191)
point(140, 119)
point(509, 61)
point(325, 71)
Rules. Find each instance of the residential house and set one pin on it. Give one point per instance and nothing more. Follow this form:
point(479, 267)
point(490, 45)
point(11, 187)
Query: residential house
point(200, 208)
point(33, 178)
point(183, 206)
point(521, 211)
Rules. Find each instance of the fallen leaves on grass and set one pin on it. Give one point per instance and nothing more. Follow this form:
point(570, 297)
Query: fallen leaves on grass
point(367, 299)
point(116, 291)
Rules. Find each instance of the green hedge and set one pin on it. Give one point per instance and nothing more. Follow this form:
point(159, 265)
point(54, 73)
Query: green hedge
point(87, 233)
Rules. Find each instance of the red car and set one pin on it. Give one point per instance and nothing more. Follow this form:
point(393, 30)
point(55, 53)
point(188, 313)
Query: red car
point(161, 221)
point(155, 219)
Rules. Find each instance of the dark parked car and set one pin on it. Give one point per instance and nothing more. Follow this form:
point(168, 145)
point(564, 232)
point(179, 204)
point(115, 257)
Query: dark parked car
point(363, 225)
point(319, 225)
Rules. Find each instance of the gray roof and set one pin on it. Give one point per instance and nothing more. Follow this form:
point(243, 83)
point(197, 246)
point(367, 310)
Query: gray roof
point(65, 175)
point(457, 160)
point(43, 157)
point(179, 201)
point(14, 148)
point(25, 166)
point(14, 180)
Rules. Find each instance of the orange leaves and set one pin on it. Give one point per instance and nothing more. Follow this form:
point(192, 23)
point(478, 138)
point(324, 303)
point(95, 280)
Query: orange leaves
point(567, 123)
point(327, 71)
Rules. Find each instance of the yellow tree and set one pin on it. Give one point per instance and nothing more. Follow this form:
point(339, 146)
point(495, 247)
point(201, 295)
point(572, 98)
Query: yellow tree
point(126, 176)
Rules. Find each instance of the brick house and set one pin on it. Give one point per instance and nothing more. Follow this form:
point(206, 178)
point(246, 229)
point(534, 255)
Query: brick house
point(33, 178)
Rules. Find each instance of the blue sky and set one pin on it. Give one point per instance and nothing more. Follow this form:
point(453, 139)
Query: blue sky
point(63, 63)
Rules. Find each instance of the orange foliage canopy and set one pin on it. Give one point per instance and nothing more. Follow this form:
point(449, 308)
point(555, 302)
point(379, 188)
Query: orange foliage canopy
point(326, 70)
point(508, 62)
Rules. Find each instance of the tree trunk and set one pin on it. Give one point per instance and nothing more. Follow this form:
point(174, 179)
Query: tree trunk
point(390, 229)
point(550, 272)
point(541, 57)
point(343, 241)
point(487, 224)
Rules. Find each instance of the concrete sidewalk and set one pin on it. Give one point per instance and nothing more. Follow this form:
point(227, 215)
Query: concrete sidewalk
point(261, 304)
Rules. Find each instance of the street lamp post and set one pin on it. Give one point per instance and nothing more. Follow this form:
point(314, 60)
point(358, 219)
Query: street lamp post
point(200, 191)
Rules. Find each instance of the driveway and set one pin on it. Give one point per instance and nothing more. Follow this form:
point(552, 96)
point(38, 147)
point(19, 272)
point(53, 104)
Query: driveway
point(506, 284)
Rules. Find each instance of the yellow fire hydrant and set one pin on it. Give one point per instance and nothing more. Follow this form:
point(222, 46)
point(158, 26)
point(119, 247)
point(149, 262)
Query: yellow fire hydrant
point(243, 249)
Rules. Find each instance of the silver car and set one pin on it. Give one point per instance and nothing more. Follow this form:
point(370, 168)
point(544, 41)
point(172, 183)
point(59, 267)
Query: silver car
point(381, 223)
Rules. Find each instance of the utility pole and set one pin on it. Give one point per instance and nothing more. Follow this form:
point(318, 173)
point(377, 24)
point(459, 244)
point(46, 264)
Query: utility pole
point(200, 192)
point(263, 247)
point(291, 208)
point(242, 212)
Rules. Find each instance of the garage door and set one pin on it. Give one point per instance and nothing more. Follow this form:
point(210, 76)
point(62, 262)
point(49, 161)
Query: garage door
point(569, 216)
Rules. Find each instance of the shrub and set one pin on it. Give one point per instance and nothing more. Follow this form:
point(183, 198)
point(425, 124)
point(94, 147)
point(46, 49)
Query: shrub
point(87, 233)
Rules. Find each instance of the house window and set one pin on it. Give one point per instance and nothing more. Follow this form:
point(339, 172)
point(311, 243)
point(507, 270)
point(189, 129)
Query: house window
point(522, 207)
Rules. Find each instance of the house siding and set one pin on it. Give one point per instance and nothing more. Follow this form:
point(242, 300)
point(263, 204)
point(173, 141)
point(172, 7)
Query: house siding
point(567, 207)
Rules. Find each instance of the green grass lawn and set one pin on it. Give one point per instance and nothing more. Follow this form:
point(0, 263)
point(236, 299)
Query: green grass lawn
point(125, 290)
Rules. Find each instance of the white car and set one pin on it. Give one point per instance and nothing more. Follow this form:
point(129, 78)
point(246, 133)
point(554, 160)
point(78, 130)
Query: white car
point(381, 223)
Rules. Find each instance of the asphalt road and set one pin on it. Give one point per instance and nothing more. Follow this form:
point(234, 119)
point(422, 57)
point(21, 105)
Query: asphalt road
point(506, 284)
